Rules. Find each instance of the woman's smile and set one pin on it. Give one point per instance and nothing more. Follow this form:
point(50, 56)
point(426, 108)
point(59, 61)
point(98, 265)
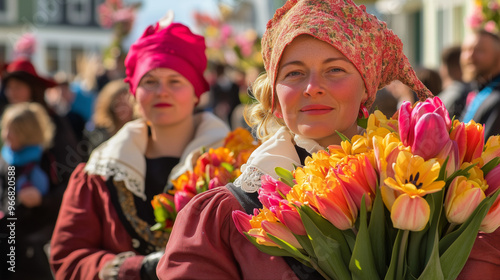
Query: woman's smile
point(316, 109)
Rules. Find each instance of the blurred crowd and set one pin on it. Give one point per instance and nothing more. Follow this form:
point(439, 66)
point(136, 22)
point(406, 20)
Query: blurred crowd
point(51, 124)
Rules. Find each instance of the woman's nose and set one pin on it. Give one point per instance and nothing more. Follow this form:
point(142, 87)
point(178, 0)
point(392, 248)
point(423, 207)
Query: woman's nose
point(314, 85)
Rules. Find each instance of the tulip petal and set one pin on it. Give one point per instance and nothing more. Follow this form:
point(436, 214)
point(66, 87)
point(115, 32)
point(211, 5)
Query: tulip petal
point(431, 136)
point(410, 213)
point(493, 180)
point(463, 204)
point(404, 122)
point(292, 220)
point(282, 232)
point(242, 221)
point(491, 222)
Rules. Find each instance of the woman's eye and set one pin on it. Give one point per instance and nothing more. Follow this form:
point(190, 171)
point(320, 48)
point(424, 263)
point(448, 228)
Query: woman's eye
point(292, 74)
point(336, 70)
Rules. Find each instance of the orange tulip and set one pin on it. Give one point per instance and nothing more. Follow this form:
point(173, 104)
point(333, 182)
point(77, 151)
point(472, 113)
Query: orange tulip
point(337, 207)
point(358, 176)
point(470, 139)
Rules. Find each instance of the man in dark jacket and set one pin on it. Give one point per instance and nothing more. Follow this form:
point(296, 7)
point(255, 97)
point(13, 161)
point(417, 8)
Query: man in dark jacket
point(480, 59)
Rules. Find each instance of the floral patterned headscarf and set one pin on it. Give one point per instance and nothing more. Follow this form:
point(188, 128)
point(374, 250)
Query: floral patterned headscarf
point(375, 50)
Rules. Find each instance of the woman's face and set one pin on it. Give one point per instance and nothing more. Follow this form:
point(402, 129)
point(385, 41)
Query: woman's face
point(122, 108)
point(319, 91)
point(165, 97)
point(17, 91)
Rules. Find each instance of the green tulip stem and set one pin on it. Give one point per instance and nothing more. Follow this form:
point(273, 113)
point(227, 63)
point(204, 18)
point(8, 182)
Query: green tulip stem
point(355, 231)
point(402, 252)
point(451, 227)
point(319, 270)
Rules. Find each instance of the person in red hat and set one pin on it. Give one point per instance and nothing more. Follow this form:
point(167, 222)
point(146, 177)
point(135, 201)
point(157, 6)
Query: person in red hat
point(36, 219)
point(103, 229)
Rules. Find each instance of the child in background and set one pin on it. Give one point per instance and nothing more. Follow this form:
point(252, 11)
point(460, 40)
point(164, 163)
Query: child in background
point(26, 132)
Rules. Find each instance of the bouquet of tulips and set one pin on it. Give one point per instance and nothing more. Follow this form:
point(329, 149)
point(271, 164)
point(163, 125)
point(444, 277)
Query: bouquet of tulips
point(213, 168)
point(405, 200)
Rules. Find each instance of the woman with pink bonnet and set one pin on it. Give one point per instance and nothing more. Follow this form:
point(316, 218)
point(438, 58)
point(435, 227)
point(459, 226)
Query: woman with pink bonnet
point(103, 228)
point(325, 60)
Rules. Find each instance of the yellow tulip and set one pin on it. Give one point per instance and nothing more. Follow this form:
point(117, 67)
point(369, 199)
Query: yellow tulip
point(413, 178)
point(491, 149)
point(462, 199)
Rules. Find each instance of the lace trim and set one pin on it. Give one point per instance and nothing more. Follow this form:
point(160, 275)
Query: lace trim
point(249, 181)
point(134, 183)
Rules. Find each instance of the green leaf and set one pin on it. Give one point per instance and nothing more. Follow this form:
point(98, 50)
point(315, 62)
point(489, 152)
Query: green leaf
point(343, 137)
point(160, 214)
point(490, 165)
point(305, 242)
point(288, 247)
point(286, 176)
point(362, 122)
point(270, 250)
point(229, 167)
point(327, 251)
point(376, 228)
point(442, 171)
point(391, 271)
point(433, 268)
point(328, 229)
point(157, 226)
point(362, 264)
point(455, 256)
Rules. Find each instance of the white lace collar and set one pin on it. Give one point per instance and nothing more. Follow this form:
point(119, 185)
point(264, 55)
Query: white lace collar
point(277, 151)
point(122, 156)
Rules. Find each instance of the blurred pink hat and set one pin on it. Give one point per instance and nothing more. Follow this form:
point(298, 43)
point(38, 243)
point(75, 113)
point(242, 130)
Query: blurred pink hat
point(174, 47)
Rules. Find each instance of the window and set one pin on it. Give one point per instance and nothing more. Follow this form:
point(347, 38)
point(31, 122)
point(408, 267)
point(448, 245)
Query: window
point(76, 55)
point(51, 9)
point(52, 56)
point(8, 11)
point(79, 12)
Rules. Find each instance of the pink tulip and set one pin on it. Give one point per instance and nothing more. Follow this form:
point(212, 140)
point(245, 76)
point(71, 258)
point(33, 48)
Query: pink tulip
point(181, 198)
point(291, 219)
point(491, 222)
point(215, 182)
point(338, 208)
point(450, 152)
point(493, 180)
point(425, 127)
point(273, 187)
point(410, 212)
point(462, 199)
point(242, 221)
point(282, 232)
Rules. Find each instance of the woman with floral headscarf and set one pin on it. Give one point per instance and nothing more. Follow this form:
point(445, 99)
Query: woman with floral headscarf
point(103, 229)
point(325, 61)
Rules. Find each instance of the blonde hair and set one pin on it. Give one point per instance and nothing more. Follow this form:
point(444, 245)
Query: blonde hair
point(259, 115)
point(30, 122)
point(104, 116)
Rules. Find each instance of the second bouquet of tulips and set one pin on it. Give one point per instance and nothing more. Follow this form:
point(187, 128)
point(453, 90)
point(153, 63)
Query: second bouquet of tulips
point(405, 200)
point(213, 168)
